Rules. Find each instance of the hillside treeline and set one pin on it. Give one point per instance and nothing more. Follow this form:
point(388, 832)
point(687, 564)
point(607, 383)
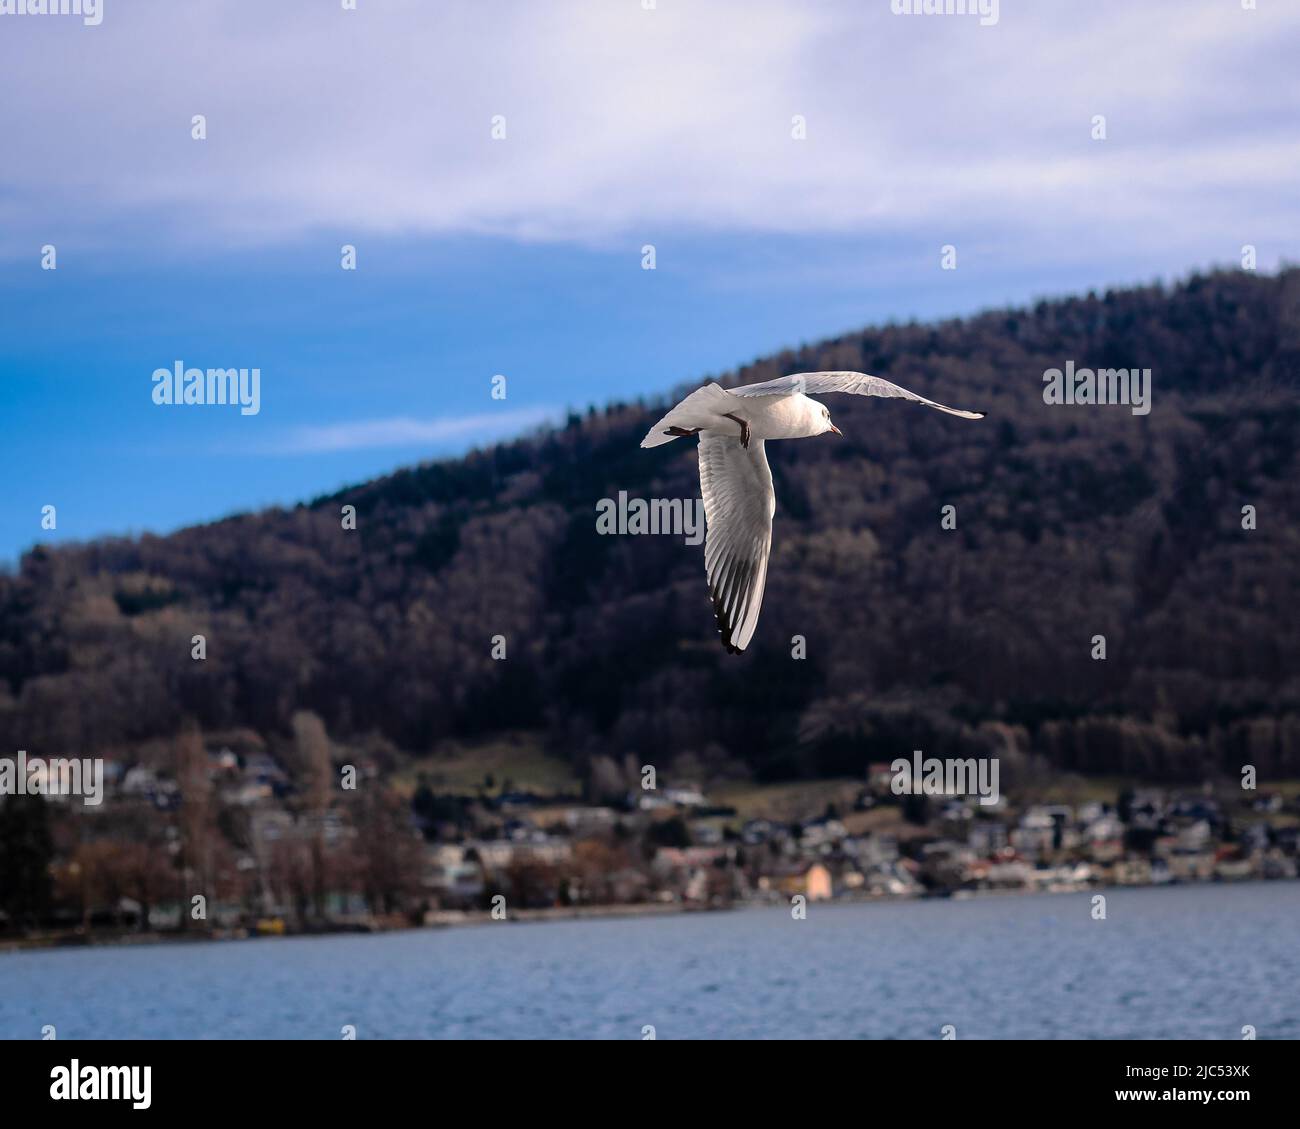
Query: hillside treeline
point(1072, 522)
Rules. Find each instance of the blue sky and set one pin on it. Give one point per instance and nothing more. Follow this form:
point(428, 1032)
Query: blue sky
point(522, 255)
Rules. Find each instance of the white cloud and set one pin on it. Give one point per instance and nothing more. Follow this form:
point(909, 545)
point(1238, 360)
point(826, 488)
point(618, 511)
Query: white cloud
point(625, 123)
point(401, 431)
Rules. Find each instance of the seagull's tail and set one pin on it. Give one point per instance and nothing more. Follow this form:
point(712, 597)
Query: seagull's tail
point(699, 411)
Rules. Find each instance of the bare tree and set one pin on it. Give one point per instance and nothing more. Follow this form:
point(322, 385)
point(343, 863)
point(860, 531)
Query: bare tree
point(195, 816)
point(312, 748)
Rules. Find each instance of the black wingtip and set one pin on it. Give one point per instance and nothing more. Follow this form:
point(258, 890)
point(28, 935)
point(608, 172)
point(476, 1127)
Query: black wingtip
point(724, 628)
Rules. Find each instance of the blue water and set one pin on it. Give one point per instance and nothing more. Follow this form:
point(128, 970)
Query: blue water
point(1183, 962)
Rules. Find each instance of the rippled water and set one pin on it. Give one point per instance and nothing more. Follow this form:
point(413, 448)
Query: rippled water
point(1184, 962)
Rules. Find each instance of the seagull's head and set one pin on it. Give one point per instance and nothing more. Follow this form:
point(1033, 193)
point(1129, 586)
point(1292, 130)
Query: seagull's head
point(826, 423)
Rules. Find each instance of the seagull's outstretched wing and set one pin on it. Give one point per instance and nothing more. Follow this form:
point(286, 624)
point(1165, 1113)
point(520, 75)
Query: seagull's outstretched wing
point(858, 383)
point(738, 507)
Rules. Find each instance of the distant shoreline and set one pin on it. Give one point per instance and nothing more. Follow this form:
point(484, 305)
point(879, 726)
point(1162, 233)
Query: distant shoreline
point(438, 919)
point(453, 919)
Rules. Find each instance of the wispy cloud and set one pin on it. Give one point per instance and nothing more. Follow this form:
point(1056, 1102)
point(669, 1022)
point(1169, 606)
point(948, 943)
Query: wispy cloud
point(403, 431)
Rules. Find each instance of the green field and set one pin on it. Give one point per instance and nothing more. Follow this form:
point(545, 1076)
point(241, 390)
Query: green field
point(516, 761)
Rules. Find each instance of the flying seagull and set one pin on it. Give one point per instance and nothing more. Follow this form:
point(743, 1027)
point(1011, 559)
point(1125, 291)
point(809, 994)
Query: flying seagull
point(733, 425)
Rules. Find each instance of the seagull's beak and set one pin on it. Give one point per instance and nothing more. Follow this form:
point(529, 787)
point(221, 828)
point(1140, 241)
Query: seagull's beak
point(837, 431)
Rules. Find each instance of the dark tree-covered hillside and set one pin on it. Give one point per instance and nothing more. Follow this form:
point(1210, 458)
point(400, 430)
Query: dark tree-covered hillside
point(1071, 522)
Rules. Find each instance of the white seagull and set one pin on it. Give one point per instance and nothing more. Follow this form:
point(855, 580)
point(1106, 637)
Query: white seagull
point(733, 425)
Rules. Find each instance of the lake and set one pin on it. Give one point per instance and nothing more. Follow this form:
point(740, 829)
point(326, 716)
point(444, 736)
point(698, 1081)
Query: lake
point(1175, 962)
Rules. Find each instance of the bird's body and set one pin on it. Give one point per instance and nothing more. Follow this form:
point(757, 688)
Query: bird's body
point(739, 502)
point(768, 417)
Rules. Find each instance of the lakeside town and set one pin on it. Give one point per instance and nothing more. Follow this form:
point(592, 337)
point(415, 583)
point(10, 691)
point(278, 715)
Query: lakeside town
point(236, 841)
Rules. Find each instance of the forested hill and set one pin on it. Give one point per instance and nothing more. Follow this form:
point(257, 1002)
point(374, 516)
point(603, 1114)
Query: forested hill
point(1072, 522)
